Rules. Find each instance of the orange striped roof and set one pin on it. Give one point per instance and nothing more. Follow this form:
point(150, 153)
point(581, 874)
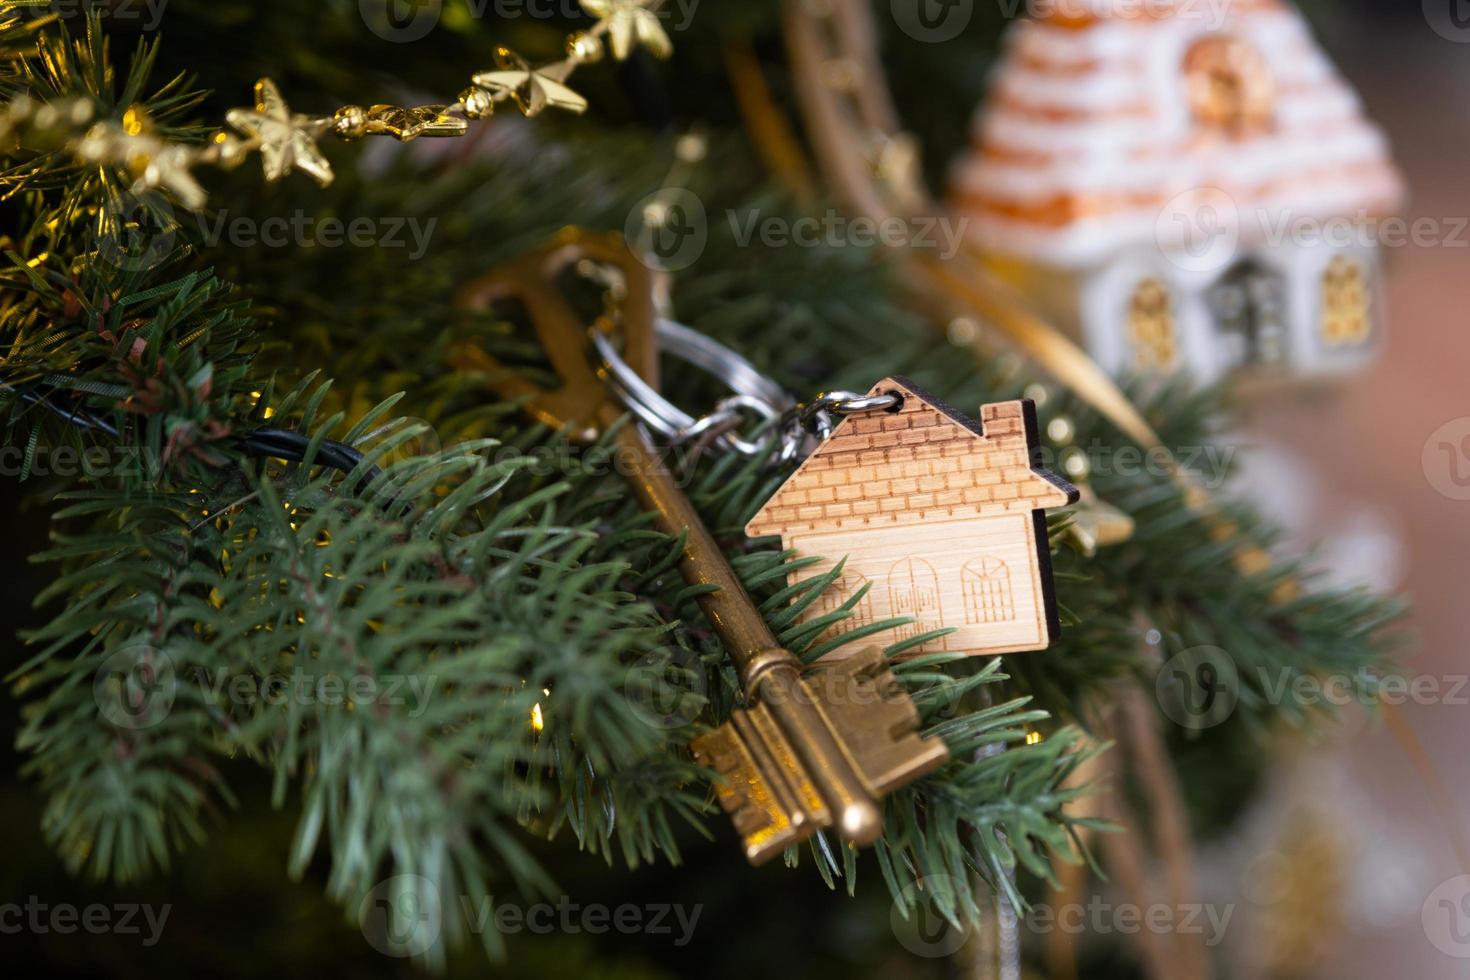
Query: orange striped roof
point(1088, 133)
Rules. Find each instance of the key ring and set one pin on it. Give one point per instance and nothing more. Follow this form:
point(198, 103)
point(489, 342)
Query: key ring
point(798, 427)
point(753, 391)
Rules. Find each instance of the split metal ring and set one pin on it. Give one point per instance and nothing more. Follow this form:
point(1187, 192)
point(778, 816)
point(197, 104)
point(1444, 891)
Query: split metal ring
point(798, 427)
point(753, 392)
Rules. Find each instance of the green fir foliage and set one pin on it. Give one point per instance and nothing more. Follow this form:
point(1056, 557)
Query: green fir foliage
point(476, 571)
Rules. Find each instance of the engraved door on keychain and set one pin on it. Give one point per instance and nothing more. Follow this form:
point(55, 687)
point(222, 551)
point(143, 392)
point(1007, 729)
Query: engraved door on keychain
point(941, 520)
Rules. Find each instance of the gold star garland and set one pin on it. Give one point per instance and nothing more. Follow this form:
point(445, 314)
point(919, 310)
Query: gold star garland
point(288, 140)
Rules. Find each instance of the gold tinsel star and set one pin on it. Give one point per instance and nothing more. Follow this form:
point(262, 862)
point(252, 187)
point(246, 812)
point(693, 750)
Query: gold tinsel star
point(287, 140)
point(412, 122)
point(629, 21)
point(168, 168)
point(532, 88)
point(155, 163)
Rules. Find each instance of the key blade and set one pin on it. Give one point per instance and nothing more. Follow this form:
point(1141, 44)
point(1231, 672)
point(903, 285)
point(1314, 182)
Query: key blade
point(762, 783)
point(873, 716)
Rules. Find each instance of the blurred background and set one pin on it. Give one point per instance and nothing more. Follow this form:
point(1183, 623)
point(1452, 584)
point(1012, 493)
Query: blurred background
point(1357, 471)
point(1329, 866)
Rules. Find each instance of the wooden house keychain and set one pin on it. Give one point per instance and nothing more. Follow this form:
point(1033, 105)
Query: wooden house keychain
point(810, 749)
point(934, 518)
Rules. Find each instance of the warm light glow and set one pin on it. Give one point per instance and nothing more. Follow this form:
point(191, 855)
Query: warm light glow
point(537, 722)
point(1033, 738)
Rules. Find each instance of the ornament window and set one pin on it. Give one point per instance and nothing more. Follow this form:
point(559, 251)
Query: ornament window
point(1151, 327)
point(986, 585)
point(1249, 308)
point(1347, 318)
point(1229, 87)
point(839, 593)
point(913, 591)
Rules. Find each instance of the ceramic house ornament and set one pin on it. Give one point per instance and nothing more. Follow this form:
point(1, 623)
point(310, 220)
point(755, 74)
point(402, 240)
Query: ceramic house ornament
point(941, 518)
point(1184, 186)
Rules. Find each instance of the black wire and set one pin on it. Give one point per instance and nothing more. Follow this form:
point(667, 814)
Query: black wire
point(76, 415)
point(291, 446)
point(263, 443)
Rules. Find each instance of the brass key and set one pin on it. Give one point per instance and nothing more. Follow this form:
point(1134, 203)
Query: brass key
point(810, 751)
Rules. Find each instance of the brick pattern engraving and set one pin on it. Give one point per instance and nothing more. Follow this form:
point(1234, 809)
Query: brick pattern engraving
point(937, 512)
